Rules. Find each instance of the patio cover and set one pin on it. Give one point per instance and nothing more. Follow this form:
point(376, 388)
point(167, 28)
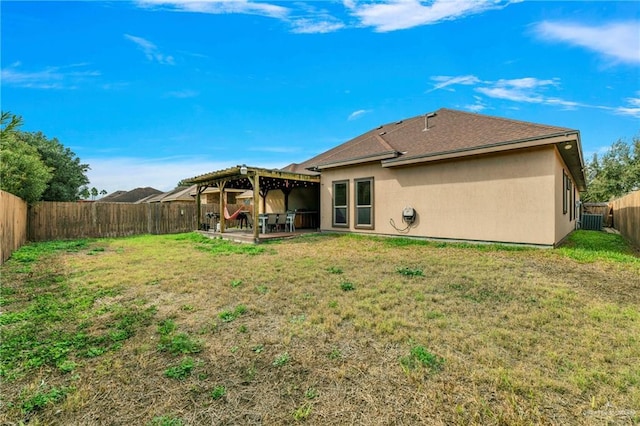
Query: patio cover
point(261, 181)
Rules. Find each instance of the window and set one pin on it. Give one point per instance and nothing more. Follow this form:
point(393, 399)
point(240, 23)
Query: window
point(364, 203)
point(565, 201)
point(340, 200)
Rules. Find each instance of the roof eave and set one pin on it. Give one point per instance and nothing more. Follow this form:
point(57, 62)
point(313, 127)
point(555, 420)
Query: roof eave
point(485, 149)
point(387, 155)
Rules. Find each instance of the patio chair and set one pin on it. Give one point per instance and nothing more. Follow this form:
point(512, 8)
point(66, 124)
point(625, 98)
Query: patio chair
point(281, 221)
point(291, 221)
point(271, 221)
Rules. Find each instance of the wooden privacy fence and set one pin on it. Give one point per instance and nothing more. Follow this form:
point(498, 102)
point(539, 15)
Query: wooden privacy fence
point(13, 224)
point(57, 221)
point(626, 216)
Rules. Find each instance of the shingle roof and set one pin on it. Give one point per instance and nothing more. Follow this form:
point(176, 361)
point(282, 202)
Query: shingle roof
point(110, 197)
point(447, 131)
point(129, 196)
point(181, 193)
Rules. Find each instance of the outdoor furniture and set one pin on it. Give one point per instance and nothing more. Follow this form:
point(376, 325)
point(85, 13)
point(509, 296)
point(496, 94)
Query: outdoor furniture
point(281, 221)
point(263, 222)
point(291, 221)
point(272, 221)
point(249, 219)
point(242, 217)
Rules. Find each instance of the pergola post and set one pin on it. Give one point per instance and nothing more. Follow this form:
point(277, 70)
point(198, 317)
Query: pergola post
point(223, 221)
point(198, 207)
point(255, 182)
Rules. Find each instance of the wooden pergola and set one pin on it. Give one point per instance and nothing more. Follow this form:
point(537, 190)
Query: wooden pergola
point(261, 181)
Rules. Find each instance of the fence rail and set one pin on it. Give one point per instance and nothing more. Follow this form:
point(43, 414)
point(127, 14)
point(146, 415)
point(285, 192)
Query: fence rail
point(13, 224)
point(626, 216)
point(56, 220)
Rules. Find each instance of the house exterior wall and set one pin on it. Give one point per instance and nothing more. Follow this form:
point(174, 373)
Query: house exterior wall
point(565, 222)
point(299, 198)
point(510, 197)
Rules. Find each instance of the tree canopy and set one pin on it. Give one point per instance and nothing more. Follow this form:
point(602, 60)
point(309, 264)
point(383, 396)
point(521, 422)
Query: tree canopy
point(36, 168)
point(614, 174)
point(69, 175)
point(22, 171)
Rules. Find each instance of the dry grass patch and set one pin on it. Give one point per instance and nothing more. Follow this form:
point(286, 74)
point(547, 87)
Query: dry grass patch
point(196, 331)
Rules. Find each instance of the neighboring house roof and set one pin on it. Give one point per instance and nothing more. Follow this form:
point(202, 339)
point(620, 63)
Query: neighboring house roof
point(181, 193)
point(110, 197)
point(152, 198)
point(448, 134)
point(129, 196)
point(246, 194)
point(146, 199)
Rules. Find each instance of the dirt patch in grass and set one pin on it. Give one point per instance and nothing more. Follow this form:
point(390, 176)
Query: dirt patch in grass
point(191, 333)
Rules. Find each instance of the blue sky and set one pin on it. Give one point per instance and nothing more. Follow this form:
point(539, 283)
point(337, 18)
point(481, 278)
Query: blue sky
point(151, 92)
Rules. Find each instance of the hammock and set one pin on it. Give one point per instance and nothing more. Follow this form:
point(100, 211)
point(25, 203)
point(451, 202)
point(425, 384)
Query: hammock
point(233, 216)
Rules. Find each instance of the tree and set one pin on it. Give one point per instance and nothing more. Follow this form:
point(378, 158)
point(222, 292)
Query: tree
point(84, 193)
point(103, 192)
point(69, 175)
point(22, 171)
point(94, 193)
point(615, 174)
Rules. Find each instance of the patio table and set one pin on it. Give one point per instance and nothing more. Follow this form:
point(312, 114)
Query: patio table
point(263, 222)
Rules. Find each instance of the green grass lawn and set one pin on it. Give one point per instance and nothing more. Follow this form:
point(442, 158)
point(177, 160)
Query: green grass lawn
point(322, 329)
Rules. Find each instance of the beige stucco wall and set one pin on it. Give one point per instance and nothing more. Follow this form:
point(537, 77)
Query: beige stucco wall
point(504, 198)
point(299, 198)
point(564, 222)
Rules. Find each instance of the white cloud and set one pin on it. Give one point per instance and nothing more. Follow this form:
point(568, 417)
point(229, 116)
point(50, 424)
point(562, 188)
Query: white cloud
point(311, 26)
point(631, 109)
point(150, 50)
point(619, 41)
point(478, 106)
point(518, 90)
point(357, 114)
point(387, 15)
point(64, 77)
point(395, 15)
point(527, 90)
point(307, 19)
point(444, 81)
point(220, 7)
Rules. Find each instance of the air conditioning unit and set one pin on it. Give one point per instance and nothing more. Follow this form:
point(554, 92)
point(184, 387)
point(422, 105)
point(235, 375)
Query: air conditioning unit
point(592, 222)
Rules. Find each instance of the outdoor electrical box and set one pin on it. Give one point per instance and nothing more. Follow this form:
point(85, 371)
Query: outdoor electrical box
point(408, 215)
